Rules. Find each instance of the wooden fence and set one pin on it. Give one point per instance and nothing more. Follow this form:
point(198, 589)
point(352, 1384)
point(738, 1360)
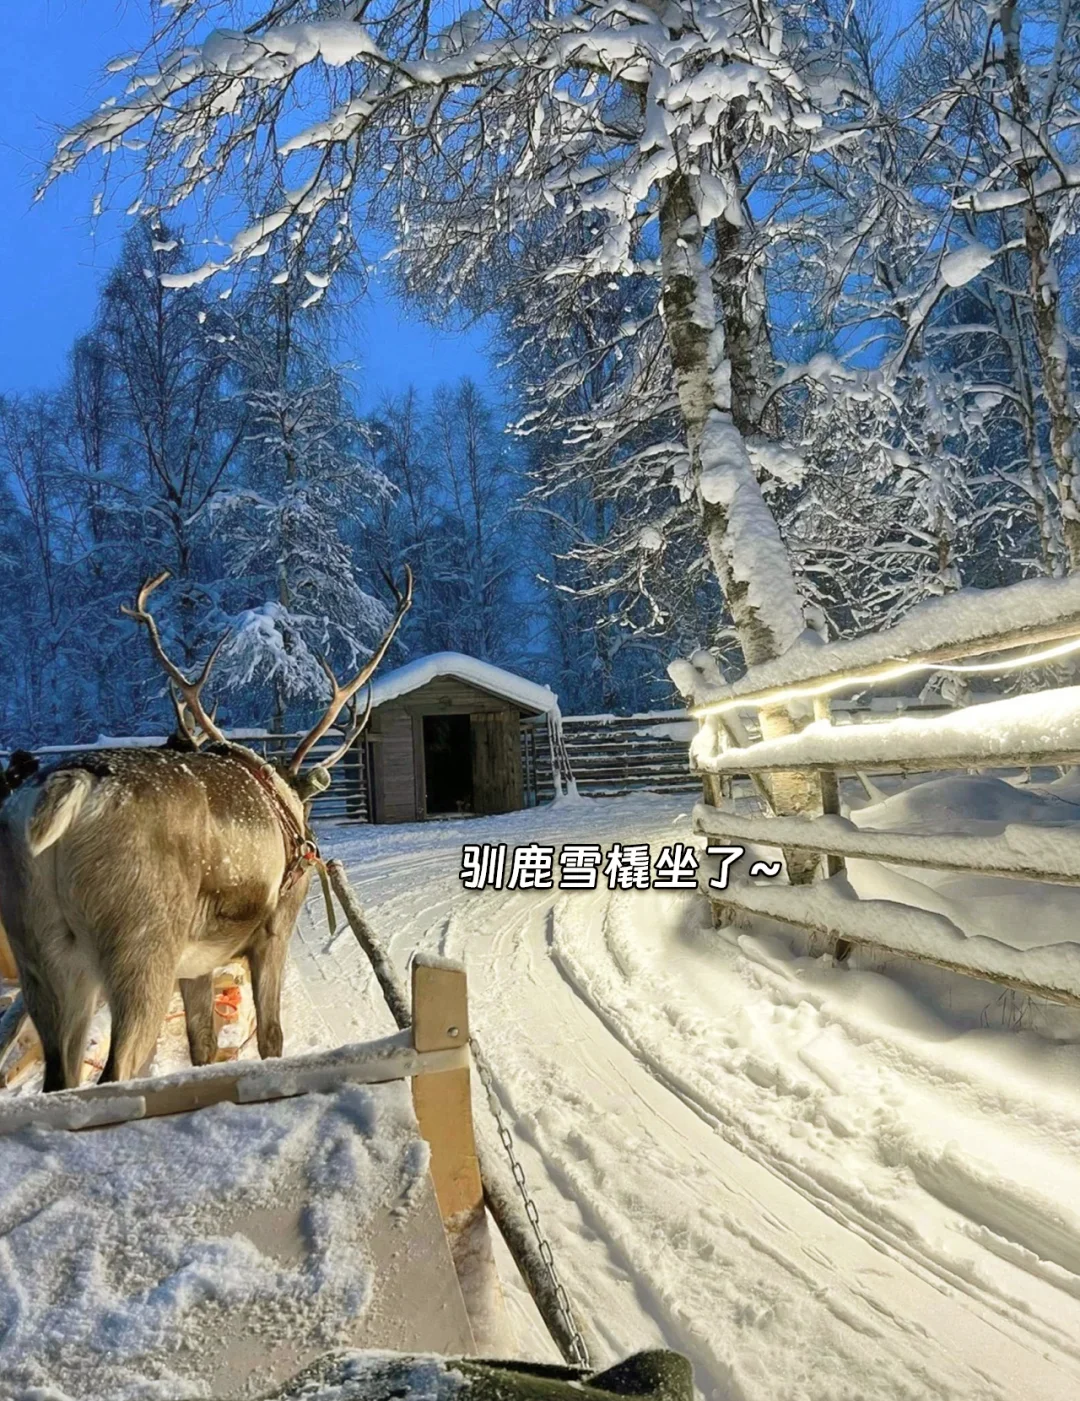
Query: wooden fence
point(347, 796)
point(1041, 728)
point(614, 754)
point(610, 756)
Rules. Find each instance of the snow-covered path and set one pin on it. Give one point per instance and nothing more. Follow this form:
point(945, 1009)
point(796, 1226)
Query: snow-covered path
point(811, 1181)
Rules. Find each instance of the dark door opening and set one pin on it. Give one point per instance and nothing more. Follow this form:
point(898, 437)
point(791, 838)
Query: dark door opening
point(448, 764)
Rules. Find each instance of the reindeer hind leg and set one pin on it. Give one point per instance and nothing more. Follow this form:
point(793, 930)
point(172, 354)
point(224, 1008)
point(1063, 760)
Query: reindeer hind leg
point(267, 960)
point(59, 991)
point(44, 1008)
point(80, 998)
point(138, 1000)
point(198, 995)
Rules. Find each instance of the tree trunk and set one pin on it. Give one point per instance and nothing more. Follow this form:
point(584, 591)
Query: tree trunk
point(742, 536)
point(1050, 337)
point(1012, 331)
point(743, 540)
point(1045, 291)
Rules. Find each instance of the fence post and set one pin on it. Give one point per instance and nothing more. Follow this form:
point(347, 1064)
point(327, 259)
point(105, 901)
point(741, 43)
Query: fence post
point(830, 787)
point(793, 791)
point(830, 806)
point(353, 763)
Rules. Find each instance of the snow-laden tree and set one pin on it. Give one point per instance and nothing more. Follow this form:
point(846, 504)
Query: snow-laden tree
point(178, 428)
point(406, 525)
point(625, 565)
point(218, 444)
point(481, 608)
point(305, 473)
point(36, 546)
point(453, 517)
point(992, 101)
point(921, 466)
point(636, 124)
point(1029, 82)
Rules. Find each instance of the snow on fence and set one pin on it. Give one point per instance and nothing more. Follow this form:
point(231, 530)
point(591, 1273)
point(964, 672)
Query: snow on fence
point(1036, 729)
point(942, 630)
point(614, 754)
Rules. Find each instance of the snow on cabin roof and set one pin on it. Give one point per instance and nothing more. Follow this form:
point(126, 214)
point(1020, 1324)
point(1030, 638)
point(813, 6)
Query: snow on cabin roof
point(483, 675)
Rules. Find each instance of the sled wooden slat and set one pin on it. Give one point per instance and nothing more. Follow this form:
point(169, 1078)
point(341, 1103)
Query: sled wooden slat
point(244, 1082)
point(444, 1106)
point(8, 971)
point(21, 1055)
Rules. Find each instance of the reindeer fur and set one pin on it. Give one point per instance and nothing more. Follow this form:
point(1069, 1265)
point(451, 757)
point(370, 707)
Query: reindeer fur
point(127, 869)
point(137, 867)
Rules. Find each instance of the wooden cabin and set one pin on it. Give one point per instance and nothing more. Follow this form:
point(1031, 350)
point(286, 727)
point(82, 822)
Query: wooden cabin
point(445, 738)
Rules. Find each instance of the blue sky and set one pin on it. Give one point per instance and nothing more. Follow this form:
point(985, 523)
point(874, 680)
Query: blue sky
point(54, 256)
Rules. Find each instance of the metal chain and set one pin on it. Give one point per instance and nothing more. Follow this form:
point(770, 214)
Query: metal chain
point(562, 1299)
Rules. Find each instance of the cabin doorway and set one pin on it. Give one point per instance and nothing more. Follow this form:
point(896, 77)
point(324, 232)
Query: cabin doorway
point(448, 765)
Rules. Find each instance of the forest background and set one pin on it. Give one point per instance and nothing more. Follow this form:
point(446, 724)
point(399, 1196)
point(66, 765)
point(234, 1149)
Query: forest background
point(894, 264)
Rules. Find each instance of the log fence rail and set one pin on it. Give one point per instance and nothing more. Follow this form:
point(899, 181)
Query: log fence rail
point(1018, 733)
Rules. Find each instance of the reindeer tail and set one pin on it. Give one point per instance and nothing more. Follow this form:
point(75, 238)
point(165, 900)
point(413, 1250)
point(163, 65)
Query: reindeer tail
point(58, 805)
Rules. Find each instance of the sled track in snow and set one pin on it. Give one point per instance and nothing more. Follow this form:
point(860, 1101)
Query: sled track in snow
point(840, 1200)
point(679, 1212)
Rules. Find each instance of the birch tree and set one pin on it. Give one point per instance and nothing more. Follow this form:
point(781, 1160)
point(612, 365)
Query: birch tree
point(404, 523)
point(1033, 90)
point(1000, 124)
point(636, 124)
point(481, 609)
point(178, 428)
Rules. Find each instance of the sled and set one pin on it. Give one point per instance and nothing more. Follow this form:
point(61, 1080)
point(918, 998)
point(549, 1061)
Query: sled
point(649, 1376)
point(271, 1123)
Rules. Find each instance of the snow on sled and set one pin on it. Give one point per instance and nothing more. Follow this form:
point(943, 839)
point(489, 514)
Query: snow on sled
point(212, 1232)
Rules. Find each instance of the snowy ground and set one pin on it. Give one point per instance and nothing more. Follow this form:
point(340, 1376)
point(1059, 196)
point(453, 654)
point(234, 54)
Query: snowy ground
point(819, 1183)
point(815, 1182)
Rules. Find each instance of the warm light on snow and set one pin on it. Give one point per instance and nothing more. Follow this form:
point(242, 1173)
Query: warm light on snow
point(837, 683)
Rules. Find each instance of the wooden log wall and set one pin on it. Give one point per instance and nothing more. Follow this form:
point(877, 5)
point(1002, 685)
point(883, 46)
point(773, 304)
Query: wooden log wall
point(611, 756)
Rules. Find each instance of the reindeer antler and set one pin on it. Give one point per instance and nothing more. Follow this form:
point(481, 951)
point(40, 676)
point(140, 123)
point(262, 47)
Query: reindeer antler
point(184, 728)
point(190, 691)
point(341, 694)
point(357, 725)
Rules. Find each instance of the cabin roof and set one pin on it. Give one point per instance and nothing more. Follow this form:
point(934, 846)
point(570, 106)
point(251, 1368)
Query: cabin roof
point(526, 695)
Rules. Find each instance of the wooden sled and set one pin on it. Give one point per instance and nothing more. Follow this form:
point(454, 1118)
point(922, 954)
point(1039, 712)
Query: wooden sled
point(648, 1376)
point(286, 1129)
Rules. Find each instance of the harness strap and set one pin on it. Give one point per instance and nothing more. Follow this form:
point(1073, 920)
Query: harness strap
point(300, 846)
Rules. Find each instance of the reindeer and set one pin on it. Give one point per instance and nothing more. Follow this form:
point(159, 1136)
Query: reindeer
point(124, 870)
